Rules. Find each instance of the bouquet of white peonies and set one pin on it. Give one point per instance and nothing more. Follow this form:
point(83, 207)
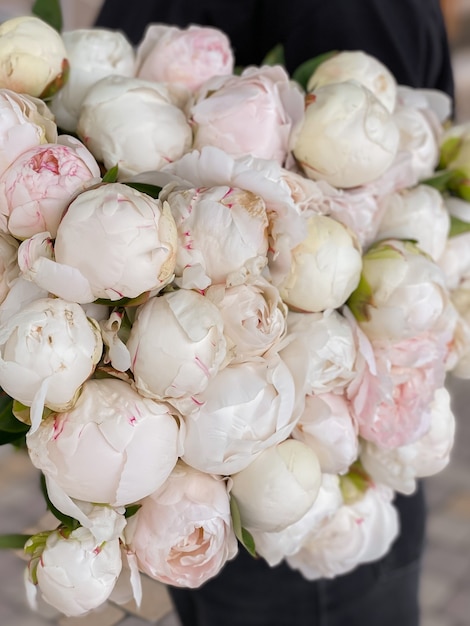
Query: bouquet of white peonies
point(228, 303)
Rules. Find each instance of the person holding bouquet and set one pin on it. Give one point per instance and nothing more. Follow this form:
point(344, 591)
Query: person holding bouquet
point(409, 37)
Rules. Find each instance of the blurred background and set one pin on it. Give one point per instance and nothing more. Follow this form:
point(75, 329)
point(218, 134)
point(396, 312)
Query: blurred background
point(445, 589)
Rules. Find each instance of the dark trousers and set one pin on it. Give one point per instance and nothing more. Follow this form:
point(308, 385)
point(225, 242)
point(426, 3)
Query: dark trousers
point(250, 593)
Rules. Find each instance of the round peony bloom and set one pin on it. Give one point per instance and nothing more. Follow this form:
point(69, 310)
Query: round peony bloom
point(238, 243)
point(93, 53)
point(325, 269)
point(400, 467)
point(276, 546)
point(48, 349)
point(33, 57)
point(254, 317)
point(245, 409)
point(278, 487)
point(402, 292)
point(357, 533)
point(182, 534)
point(113, 242)
point(9, 269)
point(39, 185)
point(132, 123)
point(347, 138)
point(327, 427)
point(112, 447)
point(251, 114)
point(188, 56)
point(320, 350)
point(25, 122)
point(176, 346)
point(419, 214)
point(74, 572)
point(361, 67)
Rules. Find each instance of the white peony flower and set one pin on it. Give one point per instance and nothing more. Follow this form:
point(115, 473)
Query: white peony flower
point(133, 124)
point(254, 317)
point(320, 351)
point(327, 427)
point(182, 534)
point(75, 573)
point(93, 53)
point(358, 533)
point(361, 67)
point(347, 138)
point(48, 349)
point(245, 409)
point(238, 243)
point(419, 214)
point(278, 487)
point(325, 268)
point(113, 446)
point(276, 546)
point(34, 59)
point(176, 346)
point(402, 292)
point(113, 242)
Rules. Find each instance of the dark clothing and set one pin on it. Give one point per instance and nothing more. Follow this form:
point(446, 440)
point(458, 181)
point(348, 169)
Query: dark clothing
point(407, 35)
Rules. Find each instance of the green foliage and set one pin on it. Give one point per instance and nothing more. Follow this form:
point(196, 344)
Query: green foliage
point(243, 536)
point(303, 73)
point(458, 227)
point(11, 429)
point(151, 190)
point(275, 56)
point(50, 12)
point(111, 175)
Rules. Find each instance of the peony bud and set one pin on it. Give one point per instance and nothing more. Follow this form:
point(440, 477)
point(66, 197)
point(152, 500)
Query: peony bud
point(33, 59)
point(278, 487)
point(361, 67)
point(325, 269)
point(348, 138)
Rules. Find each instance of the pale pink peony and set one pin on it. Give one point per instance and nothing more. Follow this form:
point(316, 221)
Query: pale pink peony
point(400, 467)
point(189, 56)
point(39, 185)
point(252, 114)
point(182, 534)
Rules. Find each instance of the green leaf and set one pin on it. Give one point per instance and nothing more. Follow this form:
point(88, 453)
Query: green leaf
point(243, 536)
point(111, 175)
point(69, 522)
point(131, 510)
point(11, 429)
point(125, 301)
point(13, 542)
point(360, 300)
point(275, 56)
point(50, 12)
point(440, 180)
point(151, 190)
point(303, 73)
point(458, 227)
